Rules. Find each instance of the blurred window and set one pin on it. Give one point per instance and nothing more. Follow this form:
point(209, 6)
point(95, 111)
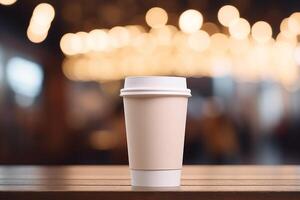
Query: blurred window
point(25, 79)
point(270, 105)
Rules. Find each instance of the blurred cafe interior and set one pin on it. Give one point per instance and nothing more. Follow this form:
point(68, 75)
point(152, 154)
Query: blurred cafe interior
point(63, 62)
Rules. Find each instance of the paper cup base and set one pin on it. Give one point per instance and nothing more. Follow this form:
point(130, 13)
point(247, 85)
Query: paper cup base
point(155, 178)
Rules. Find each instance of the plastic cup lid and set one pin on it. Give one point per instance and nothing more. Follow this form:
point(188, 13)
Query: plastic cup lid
point(155, 85)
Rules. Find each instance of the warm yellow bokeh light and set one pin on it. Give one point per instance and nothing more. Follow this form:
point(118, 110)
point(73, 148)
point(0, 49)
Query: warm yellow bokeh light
point(284, 28)
point(119, 36)
point(134, 30)
point(220, 66)
point(98, 40)
point(84, 40)
point(219, 42)
point(281, 37)
point(172, 29)
point(297, 55)
point(65, 44)
point(180, 40)
point(294, 23)
point(284, 25)
point(7, 2)
point(239, 46)
point(43, 13)
point(190, 21)
point(37, 33)
point(38, 29)
point(68, 68)
point(36, 37)
point(70, 44)
point(195, 50)
point(103, 140)
point(40, 22)
point(199, 41)
point(156, 17)
point(239, 28)
point(162, 35)
point(261, 32)
point(227, 14)
point(282, 54)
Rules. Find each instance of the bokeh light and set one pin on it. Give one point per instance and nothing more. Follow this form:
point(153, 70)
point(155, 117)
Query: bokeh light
point(227, 14)
point(36, 37)
point(219, 42)
point(40, 22)
point(294, 23)
point(156, 17)
point(25, 78)
point(103, 140)
point(239, 47)
point(85, 45)
point(163, 35)
point(292, 40)
point(297, 55)
point(70, 44)
point(98, 39)
point(261, 31)
point(190, 21)
point(194, 50)
point(119, 36)
point(199, 41)
point(284, 28)
point(134, 31)
point(43, 13)
point(7, 2)
point(284, 25)
point(239, 28)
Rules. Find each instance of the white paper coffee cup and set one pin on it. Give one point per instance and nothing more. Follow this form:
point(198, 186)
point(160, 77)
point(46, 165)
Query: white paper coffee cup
point(155, 114)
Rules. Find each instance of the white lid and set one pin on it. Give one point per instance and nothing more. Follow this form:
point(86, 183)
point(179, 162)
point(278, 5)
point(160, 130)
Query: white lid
point(155, 85)
point(155, 178)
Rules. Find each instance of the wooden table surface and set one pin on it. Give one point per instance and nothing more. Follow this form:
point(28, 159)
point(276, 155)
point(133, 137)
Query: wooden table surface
point(113, 182)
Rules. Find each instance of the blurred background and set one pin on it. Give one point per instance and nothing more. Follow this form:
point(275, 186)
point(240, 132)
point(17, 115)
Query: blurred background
point(62, 64)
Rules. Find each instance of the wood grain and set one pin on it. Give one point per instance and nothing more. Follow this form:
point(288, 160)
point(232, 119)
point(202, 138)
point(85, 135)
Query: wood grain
point(113, 182)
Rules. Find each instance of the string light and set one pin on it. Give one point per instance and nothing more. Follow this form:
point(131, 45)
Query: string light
point(103, 55)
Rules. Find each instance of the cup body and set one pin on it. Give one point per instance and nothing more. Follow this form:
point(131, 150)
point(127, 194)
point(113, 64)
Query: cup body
point(155, 128)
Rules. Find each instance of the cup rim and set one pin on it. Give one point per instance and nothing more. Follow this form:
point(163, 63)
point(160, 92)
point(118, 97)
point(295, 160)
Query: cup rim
point(161, 92)
point(180, 77)
point(162, 85)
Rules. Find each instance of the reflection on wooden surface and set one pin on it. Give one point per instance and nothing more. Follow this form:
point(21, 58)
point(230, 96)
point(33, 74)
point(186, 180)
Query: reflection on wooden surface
point(113, 182)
